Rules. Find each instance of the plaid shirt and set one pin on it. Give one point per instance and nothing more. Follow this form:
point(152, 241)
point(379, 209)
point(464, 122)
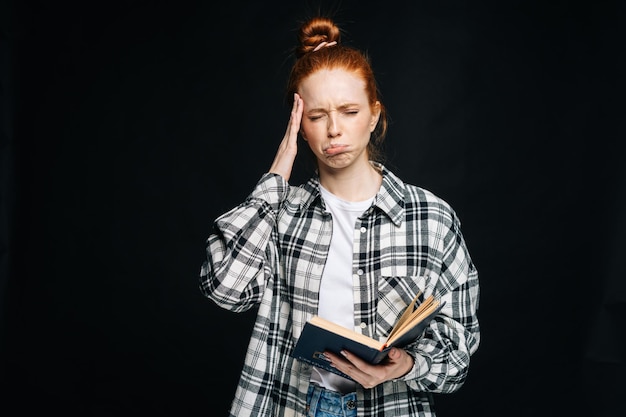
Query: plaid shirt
point(269, 252)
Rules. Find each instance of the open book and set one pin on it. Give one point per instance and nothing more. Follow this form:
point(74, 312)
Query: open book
point(319, 335)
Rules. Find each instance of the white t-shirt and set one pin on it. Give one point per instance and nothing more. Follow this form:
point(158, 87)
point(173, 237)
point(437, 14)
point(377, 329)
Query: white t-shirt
point(336, 301)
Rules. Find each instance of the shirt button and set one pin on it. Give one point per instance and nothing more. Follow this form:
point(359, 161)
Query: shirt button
point(359, 272)
point(363, 230)
point(363, 325)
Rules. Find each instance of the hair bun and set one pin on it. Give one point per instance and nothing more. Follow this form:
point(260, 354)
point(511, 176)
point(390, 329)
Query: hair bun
point(314, 32)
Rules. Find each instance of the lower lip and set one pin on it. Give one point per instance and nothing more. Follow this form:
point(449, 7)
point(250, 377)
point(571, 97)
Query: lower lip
point(335, 150)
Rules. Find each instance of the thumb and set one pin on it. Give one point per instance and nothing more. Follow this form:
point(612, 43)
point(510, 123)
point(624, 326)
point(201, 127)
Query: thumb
point(394, 353)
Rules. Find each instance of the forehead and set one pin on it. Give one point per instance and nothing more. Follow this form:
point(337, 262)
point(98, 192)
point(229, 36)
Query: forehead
point(335, 86)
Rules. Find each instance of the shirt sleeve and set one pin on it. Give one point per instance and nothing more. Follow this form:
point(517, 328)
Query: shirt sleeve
point(240, 250)
point(442, 354)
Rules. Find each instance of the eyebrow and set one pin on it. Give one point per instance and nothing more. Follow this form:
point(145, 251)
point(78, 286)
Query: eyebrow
point(341, 107)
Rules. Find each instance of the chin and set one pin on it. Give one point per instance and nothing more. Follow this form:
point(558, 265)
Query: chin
point(338, 161)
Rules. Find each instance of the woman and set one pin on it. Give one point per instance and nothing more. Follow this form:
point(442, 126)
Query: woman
point(354, 245)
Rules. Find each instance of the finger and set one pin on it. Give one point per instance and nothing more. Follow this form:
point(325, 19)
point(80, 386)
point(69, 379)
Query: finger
point(288, 148)
point(356, 368)
point(296, 116)
point(394, 353)
point(342, 363)
point(350, 364)
point(367, 374)
point(356, 361)
point(294, 119)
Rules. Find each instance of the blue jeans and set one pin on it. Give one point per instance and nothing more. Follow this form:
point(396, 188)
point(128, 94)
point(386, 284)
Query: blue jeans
point(322, 402)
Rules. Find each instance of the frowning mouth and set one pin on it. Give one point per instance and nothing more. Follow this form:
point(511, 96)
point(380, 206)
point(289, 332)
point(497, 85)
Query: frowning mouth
point(335, 149)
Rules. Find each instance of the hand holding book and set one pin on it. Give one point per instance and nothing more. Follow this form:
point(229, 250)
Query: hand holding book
point(320, 335)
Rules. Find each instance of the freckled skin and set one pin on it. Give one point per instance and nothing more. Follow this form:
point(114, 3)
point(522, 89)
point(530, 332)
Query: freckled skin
point(337, 120)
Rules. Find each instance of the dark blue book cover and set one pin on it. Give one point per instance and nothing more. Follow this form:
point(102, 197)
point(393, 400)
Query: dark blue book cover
point(319, 335)
point(314, 340)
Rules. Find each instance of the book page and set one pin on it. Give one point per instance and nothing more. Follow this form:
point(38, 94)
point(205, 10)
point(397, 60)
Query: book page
point(345, 332)
point(426, 308)
point(408, 311)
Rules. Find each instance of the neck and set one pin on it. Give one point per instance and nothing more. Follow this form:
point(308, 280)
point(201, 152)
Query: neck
point(356, 183)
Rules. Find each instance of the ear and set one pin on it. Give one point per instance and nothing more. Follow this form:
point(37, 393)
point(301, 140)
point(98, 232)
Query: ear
point(302, 134)
point(375, 116)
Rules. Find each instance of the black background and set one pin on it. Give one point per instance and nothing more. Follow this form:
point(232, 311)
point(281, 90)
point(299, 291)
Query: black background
point(127, 127)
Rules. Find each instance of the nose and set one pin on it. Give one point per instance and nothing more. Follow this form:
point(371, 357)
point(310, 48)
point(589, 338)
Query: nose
point(333, 125)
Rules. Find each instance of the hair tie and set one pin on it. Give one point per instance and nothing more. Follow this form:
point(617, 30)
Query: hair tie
point(324, 45)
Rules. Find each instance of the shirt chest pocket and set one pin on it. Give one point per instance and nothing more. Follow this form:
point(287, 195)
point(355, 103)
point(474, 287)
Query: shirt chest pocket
point(395, 293)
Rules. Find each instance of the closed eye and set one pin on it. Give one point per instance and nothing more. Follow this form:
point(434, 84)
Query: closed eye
point(345, 111)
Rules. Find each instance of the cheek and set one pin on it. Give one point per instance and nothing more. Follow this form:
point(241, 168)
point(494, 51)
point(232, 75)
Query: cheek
point(310, 133)
point(303, 133)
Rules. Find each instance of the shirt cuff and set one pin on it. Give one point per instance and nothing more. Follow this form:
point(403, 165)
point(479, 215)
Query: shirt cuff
point(421, 366)
point(271, 188)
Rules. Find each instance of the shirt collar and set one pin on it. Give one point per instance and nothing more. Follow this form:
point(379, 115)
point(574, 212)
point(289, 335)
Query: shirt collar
point(389, 199)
